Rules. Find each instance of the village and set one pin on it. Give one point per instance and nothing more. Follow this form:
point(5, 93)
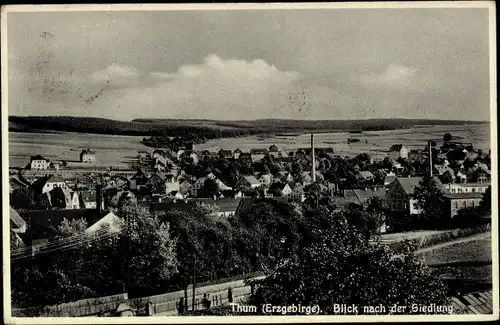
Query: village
point(46, 192)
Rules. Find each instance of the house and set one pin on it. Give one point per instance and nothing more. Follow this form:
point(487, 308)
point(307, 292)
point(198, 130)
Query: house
point(398, 151)
point(365, 196)
point(159, 153)
point(226, 207)
point(279, 155)
point(46, 184)
point(273, 148)
point(259, 151)
point(226, 154)
point(280, 189)
point(248, 182)
point(42, 224)
point(185, 187)
point(17, 224)
point(38, 162)
point(73, 199)
point(142, 156)
point(400, 192)
point(306, 178)
point(237, 153)
point(87, 156)
point(122, 197)
point(189, 156)
point(461, 176)
point(256, 157)
point(245, 156)
point(365, 176)
point(138, 180)
point(481, 175)
point(297, 193)
point(176, 195)
point(266, 180)
point(201, 182)
point(228, 194)
point(459, 201)
point(178, 154)
point(458, 188)
point(89, 199)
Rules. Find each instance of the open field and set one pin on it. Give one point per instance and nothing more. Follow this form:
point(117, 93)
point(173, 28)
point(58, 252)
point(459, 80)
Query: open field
point(477, 250)
point(378, 142)
point(120, 151)
point(111, 150)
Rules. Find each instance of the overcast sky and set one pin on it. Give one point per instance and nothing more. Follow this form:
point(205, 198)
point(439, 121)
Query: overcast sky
point(301, 64)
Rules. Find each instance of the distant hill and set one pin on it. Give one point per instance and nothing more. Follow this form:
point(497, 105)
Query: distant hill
point(210, 128)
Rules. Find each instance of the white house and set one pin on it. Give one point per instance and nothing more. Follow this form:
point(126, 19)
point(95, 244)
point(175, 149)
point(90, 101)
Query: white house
point(38, 162)
point(266, 180)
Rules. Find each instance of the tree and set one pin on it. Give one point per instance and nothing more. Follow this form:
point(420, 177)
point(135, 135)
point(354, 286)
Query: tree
point(485, 204)
point(341, 267)
point(431, 203)
point(72, 227)
point(447, 137)
point(152, 258)
point(210, 188)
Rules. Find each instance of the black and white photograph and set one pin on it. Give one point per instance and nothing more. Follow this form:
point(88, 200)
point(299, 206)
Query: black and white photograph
point(245, 163)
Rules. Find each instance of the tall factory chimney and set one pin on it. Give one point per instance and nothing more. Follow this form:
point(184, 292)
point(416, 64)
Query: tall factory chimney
point(313, 157)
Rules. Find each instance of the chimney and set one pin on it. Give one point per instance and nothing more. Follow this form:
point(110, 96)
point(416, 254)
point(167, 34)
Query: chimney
point(313, 168)
point(98, 195)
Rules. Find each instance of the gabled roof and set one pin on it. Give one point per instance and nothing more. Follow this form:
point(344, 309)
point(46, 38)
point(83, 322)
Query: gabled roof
point(389, 179)
point(16, 219)
point(368, 194)
point(87, 152)
point(252, 180)
point(366, 174)
point(410, 183)
point(267, 177)
point(37, 157)
point(278, 186)
point(396, 147)
point(42, 222)
point(140, 171)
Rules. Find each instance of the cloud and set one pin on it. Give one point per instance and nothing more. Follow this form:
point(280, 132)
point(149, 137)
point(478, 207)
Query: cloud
point(394, 75)
point(116, 76)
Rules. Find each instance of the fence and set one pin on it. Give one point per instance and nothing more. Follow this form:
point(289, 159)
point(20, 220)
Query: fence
point(443, 237)
point(216, 291)
point(85, 307)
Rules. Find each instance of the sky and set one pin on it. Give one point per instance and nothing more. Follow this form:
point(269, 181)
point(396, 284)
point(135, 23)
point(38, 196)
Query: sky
point(251, 64)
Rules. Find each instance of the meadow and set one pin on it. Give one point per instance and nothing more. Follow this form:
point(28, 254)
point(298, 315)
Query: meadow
point(121, 151)
point(372, 142)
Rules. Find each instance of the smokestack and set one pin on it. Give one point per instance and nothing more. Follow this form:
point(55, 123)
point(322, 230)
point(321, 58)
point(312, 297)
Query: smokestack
point(99, 198)
point(313, 168)
point(430, 158)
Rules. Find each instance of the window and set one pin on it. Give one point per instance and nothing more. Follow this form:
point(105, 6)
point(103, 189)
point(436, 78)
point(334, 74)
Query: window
point(473, 189)
point(473, 204)
point(456, 205)
point(464, 204)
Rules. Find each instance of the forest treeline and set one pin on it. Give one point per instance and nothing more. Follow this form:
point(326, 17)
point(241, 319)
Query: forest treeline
point(209, 129)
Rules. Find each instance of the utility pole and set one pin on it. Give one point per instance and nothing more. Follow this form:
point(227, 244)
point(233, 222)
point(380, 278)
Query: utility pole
point(194, 281)
point(430, 157)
